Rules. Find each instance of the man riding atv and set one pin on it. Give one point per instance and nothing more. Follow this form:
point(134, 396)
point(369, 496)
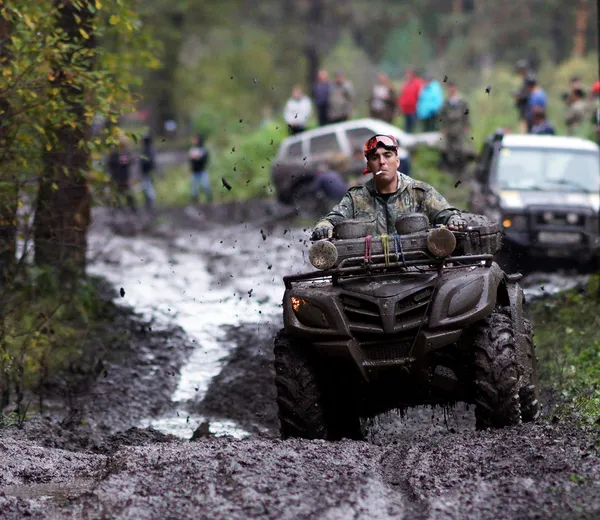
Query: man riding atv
point(406, 308)
point(388, 195)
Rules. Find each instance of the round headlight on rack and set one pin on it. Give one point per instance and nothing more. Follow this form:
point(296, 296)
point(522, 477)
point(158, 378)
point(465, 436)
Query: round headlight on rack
point(323, 254)
point(441, 242)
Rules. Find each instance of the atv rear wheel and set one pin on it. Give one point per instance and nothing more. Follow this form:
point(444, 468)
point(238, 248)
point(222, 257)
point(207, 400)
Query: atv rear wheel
point(530, 393)
point(497, 373)
point(309, 407)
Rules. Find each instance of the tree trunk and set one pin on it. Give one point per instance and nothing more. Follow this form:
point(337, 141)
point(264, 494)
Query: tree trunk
point(9, 195)
point(63, 207)
point(314, 23)
point(582, 15)
point(164, 78)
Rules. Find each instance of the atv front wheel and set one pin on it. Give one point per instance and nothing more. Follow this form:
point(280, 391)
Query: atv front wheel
point(497, 373)
point(308, 406)
point(299, 398)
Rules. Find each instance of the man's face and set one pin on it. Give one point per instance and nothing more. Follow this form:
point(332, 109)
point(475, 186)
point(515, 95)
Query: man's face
point(383, 160)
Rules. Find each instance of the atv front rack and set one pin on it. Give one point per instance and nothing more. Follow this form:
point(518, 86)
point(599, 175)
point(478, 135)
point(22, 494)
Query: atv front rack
point(377, 265)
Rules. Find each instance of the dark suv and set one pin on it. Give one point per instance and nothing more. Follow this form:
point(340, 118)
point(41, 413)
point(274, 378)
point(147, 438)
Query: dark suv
point(544, 190)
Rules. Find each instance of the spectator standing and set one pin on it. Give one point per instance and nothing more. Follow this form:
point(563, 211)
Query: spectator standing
point(147, 166)
point(382, 103)
point(297, 111)
point(199, 156)
point(540, 126)
point(537, 99)
point(577, 110)
point(429, 104)
point(407, 101)
point(120, 161)
point(522, 95)
point(341, 98)
point(454, 126)
point(321, 96)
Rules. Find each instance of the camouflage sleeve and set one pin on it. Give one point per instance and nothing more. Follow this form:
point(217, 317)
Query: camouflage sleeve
point(436, 207)
point(342, 211)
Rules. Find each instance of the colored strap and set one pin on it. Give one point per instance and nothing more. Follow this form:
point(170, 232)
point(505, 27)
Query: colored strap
point(386, 248)
point(398, 241)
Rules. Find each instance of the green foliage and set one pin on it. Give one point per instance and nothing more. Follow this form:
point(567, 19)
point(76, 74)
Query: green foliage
point(406, 47)
point(99, 68)
point(567, 333)
point(45, 331)
point(425, 168)
point(236, 83)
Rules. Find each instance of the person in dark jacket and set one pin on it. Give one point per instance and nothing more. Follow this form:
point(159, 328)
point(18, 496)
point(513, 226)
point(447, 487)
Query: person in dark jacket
point(522, 95)
point(321, 96)
point(147, 166)
point(119, 165)
point(199, 156)
point(540, 125)
point(329, 182)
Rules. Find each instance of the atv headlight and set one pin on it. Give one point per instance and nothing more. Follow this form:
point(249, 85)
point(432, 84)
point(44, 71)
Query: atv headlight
point(441, 242)
point(309, 314)
point(323, 254)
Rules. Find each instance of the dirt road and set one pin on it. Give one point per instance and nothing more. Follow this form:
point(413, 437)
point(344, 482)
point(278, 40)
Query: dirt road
point(128, 455)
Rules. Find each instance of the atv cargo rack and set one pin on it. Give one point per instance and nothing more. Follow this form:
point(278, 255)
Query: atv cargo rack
point(359, 266)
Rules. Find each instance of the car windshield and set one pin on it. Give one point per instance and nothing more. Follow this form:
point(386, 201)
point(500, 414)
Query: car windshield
point(548, 169)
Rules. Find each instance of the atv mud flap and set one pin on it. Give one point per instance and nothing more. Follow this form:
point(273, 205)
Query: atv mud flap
point(415, 357)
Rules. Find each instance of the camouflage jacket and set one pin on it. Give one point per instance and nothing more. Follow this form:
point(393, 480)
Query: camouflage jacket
point(365, 203)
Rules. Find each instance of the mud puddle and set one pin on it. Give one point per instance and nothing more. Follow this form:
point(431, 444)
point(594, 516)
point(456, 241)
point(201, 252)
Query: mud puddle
point(203, 281)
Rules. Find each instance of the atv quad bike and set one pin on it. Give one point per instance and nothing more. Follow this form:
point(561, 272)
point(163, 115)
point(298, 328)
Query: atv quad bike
point(421, 317)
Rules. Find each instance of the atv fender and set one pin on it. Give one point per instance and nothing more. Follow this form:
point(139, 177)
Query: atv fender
point(465, 297)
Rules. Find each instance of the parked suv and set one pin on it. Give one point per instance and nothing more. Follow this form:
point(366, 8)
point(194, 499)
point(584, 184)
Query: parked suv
point(296, 160)
point(545, 191)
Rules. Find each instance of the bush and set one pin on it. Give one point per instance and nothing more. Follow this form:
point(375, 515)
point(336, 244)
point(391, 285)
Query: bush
point(44, 332)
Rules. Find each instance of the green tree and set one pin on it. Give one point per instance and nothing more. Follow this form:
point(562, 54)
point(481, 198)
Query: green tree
point(63, 204)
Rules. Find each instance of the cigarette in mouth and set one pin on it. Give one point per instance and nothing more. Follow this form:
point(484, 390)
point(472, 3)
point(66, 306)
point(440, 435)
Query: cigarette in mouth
point(379, 172)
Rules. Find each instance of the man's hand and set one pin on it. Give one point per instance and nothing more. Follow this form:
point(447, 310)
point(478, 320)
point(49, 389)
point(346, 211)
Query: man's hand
point(456, 223)
point(322, 232)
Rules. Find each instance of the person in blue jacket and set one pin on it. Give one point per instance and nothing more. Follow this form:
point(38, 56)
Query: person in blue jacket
point(431, 99)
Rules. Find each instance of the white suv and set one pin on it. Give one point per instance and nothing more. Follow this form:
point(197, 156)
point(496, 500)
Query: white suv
point(295, 162)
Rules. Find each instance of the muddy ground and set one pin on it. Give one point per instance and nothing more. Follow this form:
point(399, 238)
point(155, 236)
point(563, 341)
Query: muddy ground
point(93, 459)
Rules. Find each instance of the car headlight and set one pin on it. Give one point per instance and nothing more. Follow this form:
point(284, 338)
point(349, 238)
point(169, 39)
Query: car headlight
point(309, 314)
point(323, 254)
point(441, 242)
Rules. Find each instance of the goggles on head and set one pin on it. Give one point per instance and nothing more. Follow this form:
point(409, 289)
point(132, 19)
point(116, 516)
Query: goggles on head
point(386, 141)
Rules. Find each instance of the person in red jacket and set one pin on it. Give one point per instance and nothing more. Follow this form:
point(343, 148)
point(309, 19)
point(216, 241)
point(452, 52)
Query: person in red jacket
point(407, 101)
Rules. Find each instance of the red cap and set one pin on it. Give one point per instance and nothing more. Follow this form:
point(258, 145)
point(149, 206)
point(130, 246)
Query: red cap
point(596, 87)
